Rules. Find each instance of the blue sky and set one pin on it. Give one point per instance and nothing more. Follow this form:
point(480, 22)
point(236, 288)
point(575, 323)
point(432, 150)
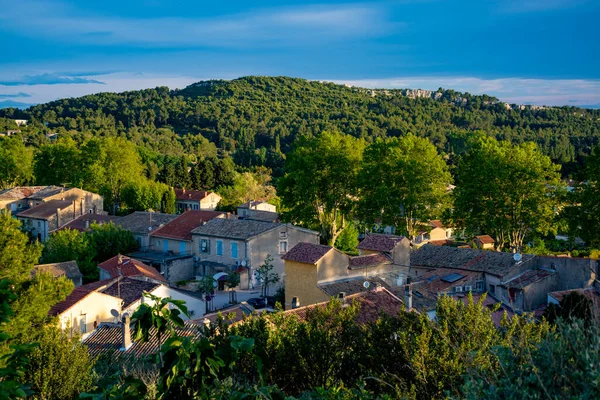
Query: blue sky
point(523, 51)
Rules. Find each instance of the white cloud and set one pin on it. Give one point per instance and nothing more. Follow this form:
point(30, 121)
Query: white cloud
point(266, 28)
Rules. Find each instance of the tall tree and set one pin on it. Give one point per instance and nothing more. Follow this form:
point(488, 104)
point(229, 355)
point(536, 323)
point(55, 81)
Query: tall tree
point(58, 164)
point(182, 177)
point(506, 191)
point(403, 182)
point(16, 163)
point(319, 185)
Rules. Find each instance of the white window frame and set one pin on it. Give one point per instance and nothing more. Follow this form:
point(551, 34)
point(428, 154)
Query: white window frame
point(458, 289)
point(285, 243)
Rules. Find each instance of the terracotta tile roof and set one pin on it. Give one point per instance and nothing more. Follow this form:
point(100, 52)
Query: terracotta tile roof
point(130, 268)
point(45, 210)
point(79, 294)
point(107, 339)
point(352, 286)
point(372, 304)
point(307, 253)
point(436, 223)
point(67, 268)
point(196, 195)
point(380, 242)
point(591, 293)
point(527, 278)
point(369, 260)
point(181, 227)
point(19, 192)
point(241, 229)
point(138, 222)
point(79, 223)
point(435, 283)
point(443, 242)
point(485, 239)
point(493, 262)
point(129, 290)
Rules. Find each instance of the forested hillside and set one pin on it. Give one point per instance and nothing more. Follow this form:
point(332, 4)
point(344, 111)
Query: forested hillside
point(256, 119)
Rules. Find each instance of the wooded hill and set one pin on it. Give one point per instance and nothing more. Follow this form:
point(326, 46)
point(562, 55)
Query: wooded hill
point(256, 119)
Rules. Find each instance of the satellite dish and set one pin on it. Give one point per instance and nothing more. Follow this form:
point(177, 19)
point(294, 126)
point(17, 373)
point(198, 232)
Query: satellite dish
point(517, 257)
point(243, 263)
point(149, 228)
point(114, 313)
point(366, 284)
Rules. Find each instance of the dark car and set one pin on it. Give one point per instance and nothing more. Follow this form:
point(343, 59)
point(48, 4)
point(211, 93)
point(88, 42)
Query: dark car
point(257, 302)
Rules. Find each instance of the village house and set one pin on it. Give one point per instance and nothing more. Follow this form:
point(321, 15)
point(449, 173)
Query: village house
point(124, 266)
point(196, 200)
point(21, 198)
point(68, 269)
point(107, 300)
point(246, 209)
point(519, 281)
point(224, 245)
point(436, 233)
point(484, 242)
point(395, 247)
point(20, 122)
point(142, 224)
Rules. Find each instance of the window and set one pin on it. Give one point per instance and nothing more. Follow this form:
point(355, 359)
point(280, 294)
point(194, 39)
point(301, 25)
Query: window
point(492, 289)
point(479, 285)
point(468, 288)
point(282, 247)
point(234, 250)
point(219, 247)
point(82, 323)
point(182, 248)
point(458, 289)
point(283, 235)
point(205, 246)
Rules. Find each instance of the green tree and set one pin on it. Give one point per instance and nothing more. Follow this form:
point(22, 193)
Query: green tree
point(169, 201)
point(506, 191)
point(206, 287)
point(246, 187)
point(348, 239)
point(16, 163)
point(266, 276)
point(69, 245)
point(110, 240)
point(319, 185)
point(60, 367)
point(182, 177)
point(58, 164)
point(572, 306)
point(233, 281)
point(403, 182)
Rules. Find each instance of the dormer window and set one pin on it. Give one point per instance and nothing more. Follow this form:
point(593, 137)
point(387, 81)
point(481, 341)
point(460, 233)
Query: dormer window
point(282, 235)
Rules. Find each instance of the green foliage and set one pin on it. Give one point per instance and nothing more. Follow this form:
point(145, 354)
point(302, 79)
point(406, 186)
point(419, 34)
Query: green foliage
point(402, 183)
point(246, 187)
point(506, 191)
point(563, 366)
point(110, 240)
point(17, 254)
point(319, 183)
point(59, 367)
point(573, 306)
point(266, 276)
point(169, 201)
point(348, 239)
point(15, 163)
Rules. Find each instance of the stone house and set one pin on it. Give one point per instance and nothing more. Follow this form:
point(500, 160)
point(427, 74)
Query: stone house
point(224, 245)
point(142, 224)
point(43, 219)
point(20, 198)
point(245, 210)
point(196, 200)
point(435, 232)
point(484, 242)
point(395, 247)
point(124, 266)
point(83, 222)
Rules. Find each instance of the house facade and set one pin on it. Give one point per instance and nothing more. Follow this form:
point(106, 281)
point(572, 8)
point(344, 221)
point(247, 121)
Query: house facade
point(224, 245)
point(196, 200)
point(142, 224)
point(246, 209)
point(21, 198)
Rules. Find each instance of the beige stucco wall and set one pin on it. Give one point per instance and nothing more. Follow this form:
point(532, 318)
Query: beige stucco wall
point(173, 245)
point(209, 203)
point(212, 256)
point(437, 234)
point(96, 307)
point(333, 266)
point(301, 282)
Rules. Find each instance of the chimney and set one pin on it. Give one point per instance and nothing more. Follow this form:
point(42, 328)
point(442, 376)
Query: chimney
point(407, 298)
point(87, 224)
point(81, 206)
point(183, 190)
point(58, 218)
point(74, 209)
point(341, 295)
point(295, 302)
point(120, 259)
point(125, 322)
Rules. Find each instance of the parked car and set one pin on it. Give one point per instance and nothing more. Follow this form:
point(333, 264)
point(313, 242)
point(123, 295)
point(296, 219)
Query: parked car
point(257, 302)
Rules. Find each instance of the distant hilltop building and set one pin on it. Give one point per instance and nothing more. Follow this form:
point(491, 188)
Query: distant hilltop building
point(20, 122)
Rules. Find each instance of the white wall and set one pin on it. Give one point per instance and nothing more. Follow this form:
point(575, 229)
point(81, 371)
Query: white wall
point(193, 304)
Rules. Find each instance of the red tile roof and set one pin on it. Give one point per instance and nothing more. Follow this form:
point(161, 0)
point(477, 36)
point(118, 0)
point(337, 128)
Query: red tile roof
point(45, 210)
point(197, 195)
point(372, 304)
point(231, 315)
point(307, 253)
point(79, 223)
point(79, 294)
point(436, 223)
point(380, 242)
point(527, 278)
point(130, 268)
point(181, 227)
point(369, 260)
point(486, 239)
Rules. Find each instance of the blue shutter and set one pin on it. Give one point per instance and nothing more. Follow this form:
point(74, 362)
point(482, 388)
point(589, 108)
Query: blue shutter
point(165, 245)
point(234, 250)
point(181, 247)
point(219, 247)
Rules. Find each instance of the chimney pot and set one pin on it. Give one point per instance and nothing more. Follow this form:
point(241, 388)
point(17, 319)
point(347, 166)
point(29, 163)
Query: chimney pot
point(295, 302)
point(125, 322)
